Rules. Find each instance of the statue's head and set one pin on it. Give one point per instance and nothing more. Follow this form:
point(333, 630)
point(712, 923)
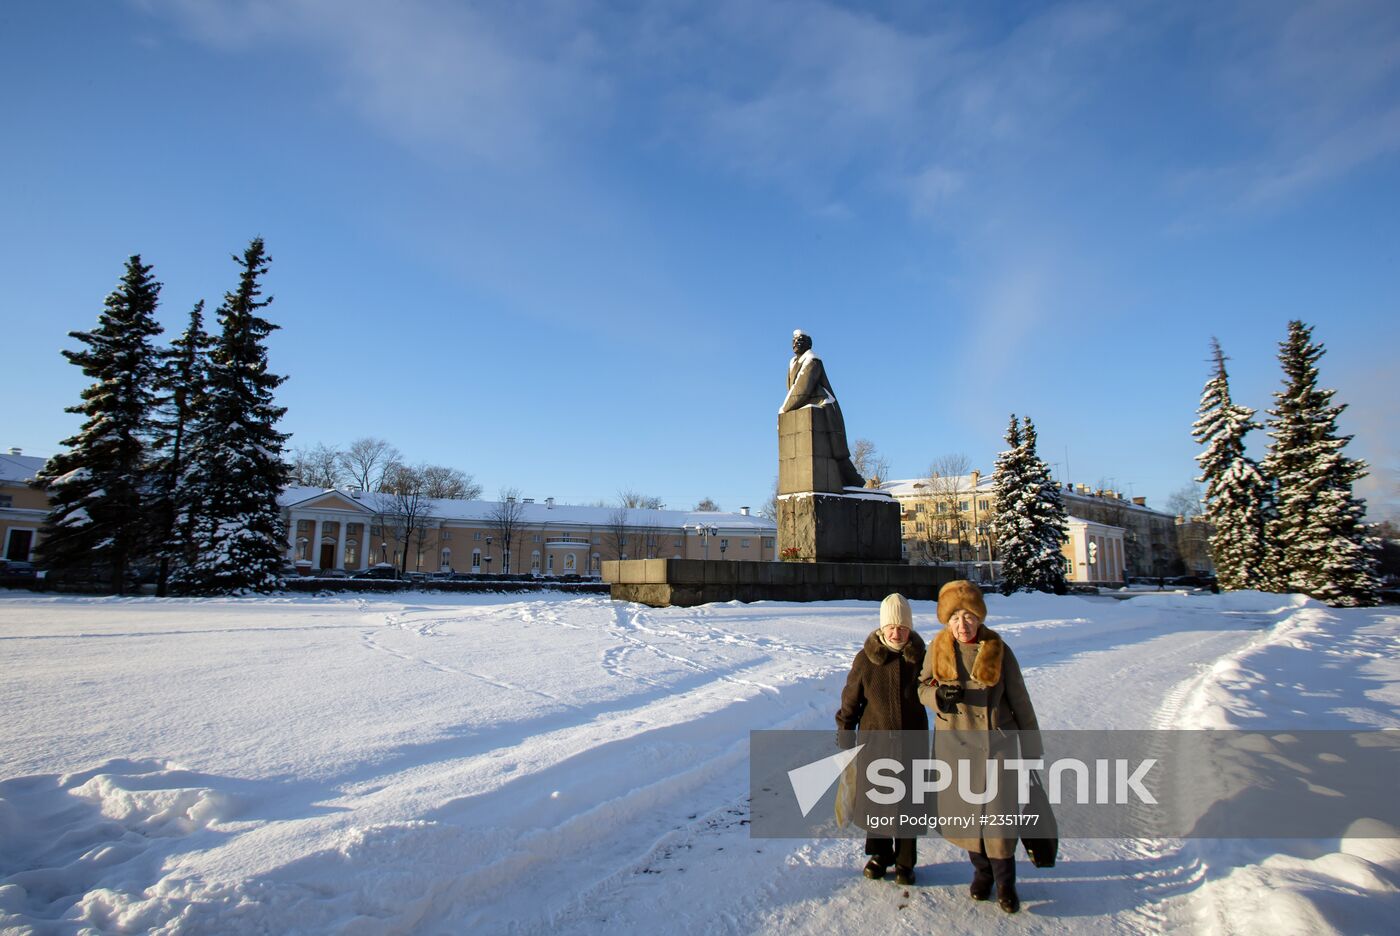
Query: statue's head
point(801, 342)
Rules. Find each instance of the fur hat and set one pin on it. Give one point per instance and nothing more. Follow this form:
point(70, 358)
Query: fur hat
point(960, 595)
point(895, 610)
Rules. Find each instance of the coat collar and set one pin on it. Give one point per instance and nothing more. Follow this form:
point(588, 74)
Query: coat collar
point(986, 667)
point(878, 653)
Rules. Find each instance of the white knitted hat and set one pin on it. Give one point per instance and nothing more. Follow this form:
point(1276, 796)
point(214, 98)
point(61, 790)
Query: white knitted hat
point(895, 610)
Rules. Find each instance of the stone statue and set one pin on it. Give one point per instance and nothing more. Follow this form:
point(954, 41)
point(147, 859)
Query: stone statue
point(808, 386)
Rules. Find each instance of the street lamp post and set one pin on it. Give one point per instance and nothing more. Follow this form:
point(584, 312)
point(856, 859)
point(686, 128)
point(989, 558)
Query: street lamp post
point(705, 531)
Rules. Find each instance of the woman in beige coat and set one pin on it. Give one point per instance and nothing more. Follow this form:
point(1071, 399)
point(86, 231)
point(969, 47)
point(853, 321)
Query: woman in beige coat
point(972, 682)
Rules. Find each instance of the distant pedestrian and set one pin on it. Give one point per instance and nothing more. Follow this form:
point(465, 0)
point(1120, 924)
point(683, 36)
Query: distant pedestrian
point(882, 695)
point(971, 679)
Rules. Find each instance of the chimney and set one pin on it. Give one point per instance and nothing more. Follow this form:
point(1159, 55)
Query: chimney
point(528, 500)
point(16, 450)
point(1140, 501)
point(744, 511)
point(976, 476)
point(549, 503)
point(510, 500)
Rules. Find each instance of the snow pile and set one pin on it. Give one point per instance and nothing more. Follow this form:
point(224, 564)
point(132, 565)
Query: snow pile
point(1317, 668)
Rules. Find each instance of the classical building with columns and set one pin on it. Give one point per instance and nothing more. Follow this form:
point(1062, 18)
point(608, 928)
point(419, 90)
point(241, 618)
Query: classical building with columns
point(354, 530)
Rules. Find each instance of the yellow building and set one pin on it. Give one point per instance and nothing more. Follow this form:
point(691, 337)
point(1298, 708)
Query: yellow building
point(22, 508)
point(353, 530)
point(948, 521)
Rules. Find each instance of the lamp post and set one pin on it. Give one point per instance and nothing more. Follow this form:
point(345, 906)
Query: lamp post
point(487, 560)
point(705, 531)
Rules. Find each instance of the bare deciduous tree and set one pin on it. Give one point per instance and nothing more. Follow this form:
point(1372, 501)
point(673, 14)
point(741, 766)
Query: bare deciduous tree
point(1186, 501)
point(633, 499)
point(942, 523)
point(507, 519)
point(869, 462)
point(615, 536)
point(769, 509)
point(403, 514)
point(366, 462)
point(706, 505)
point(318, 466)
point(444, 482)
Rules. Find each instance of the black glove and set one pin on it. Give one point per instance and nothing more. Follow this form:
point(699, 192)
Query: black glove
point(948, 695)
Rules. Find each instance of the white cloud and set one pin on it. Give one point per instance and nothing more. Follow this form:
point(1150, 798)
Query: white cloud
point(481, 84)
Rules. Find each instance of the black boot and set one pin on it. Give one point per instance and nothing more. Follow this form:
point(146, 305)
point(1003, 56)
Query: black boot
point(903, 876)
point(876, 867)
point(981, 887)
point(1004, 871)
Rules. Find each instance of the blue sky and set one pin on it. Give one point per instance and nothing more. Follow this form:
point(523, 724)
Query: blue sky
point(563, 246)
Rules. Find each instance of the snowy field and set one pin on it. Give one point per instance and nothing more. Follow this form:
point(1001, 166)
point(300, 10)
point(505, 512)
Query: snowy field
point(439, 764)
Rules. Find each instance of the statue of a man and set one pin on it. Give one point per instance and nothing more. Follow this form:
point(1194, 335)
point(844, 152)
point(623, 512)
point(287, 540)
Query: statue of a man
point(808, 386)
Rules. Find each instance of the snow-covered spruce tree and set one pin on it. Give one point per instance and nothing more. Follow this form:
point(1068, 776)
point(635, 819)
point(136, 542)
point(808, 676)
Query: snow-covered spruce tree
point(1321, 545)
point(1029, 517)
point(1049, 518)
point(98, 488)
point(1238, 499)
point(236, 469)
point(183, 393)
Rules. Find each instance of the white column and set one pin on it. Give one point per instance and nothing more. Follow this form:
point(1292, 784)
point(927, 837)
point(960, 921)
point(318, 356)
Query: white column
point(292, 535)
point(316, 546)
point(340, 545)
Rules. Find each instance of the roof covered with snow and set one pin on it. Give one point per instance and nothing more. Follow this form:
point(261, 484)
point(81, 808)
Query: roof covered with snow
point(538, 514)
point(930, 487)
point(19, 469)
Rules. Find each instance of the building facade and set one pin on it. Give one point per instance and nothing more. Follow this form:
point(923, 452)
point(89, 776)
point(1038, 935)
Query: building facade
point(22, 508)
point(948, 521)
point(353, 530)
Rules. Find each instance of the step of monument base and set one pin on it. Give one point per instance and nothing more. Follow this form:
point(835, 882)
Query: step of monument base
point(685, 583)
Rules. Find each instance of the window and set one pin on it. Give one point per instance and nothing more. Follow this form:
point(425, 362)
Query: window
point(570, 562)
point(769, 542)
point(963, 505)
point(744, 544)
point(549, 562)
point(723, 545)
point(476, 560)
point(476, 535)
point(7, 500)
point(984, 504)
point(376, 531)
point(919, 508)
point(352, 554)
point(597, 540)
point(678, 543)
point(535, 560)
point(535, 538)
point(447, 558)
point(446, 535)
point(919, 527)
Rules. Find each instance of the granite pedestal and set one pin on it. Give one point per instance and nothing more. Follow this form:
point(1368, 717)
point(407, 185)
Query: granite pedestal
point(687, 582)
point(856, 527)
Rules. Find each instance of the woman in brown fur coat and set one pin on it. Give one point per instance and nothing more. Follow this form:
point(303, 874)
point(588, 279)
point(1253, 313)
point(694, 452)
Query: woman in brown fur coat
point(973, 683)
point(882, 694)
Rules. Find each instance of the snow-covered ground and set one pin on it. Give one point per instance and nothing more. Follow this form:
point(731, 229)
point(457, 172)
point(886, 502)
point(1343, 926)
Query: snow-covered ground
point(439, 764)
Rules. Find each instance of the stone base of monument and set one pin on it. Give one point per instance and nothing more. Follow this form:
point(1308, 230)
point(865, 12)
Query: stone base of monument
point(853, 527)
point(687, 582)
